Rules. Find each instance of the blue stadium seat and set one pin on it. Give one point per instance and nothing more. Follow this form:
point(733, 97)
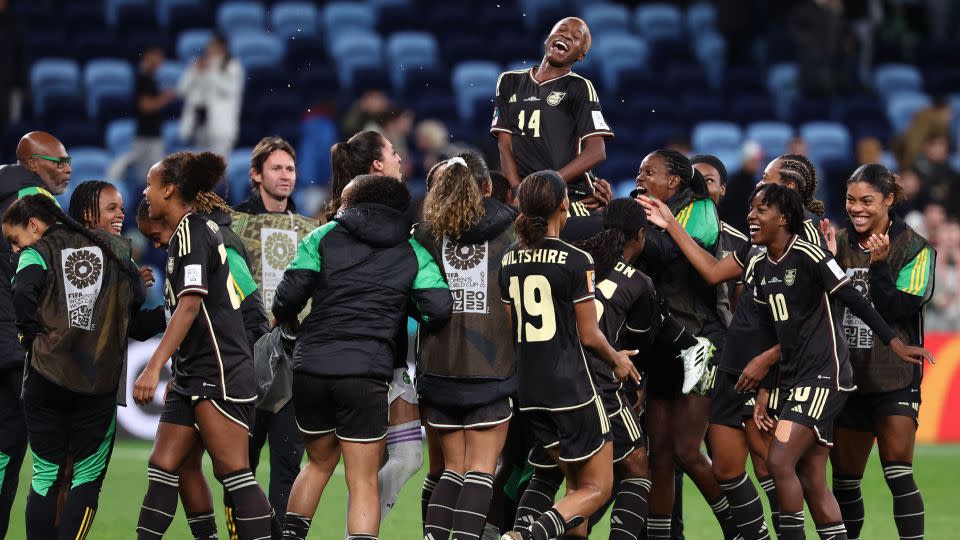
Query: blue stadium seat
point(120, 135)
point(238, 174)
point(354, 50)
point(257, 49)
point(752, 108)
point(826, 140)
point(135, 18)
point(732, 159)
point(889, 79)
point(106, 77)
point(186, 17)
point(240, 16)
point(616, 53)
point(165, 8)
point(381, 4)
point(782, 85)
point(604, 18)
point(410, 51)
point(710, 48)
point(113, 8)
point(703, 107)
point(348, 17)
point(522, 64)
point(88, 163)
point(473, 79)
point(700, 17)
point(773, 137)
point(171, 137)
point(192, 43)
point(168, 74)
point(713, 137)
point(53, 77)
point(657, 22)
point(902, 107)
point(290, 19)
point(539, 13)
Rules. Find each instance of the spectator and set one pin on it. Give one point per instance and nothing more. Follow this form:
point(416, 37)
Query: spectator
point(816, 29)
point(944, 312)
point(370, 106)
point(13, 65)
point(797, 146)
point(396, 126)
point(937, 177)
point(212, 89)
point(934, 120)
point(147, 146)
point(915, 198)
point(733, 208)
point(273, 175)
point(869, 150)
point(501, 189)
point(430, 138)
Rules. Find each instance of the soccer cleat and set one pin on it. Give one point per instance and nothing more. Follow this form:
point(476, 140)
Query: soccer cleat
point(695, 360)
point(514, 535)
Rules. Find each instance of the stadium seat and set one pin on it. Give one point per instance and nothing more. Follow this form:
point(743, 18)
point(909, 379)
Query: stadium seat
point(902, 107)
point(604, 18)
point(701, 16)
point(782, 85)
point(889, 79)
point(539, 13)
point(472, 79)
point(347, 17)
point(133, 18)
point(240, 16)
point(522, 64)
point(87, 46)
point(120, 135)
point(113, 8)
point(238, 174)
point(257, 49)
point(752, 108)
point(290, 19)
point(105, 77)
point(53, 77)
point(826, 140)
point(710, 48)
point(79, 133)
point(616, 53)
point(409, 51)
point(713, 137)
point(732, 159)
point(168, 74)
point(186, 17)
point(192, 43)
point(701, 107)
point(354, 50)
point(773, 137)
point(165, 7)
point(171, 137)
point(88, 163)
point(305, 52)
point(804, 109)
point(657, 22)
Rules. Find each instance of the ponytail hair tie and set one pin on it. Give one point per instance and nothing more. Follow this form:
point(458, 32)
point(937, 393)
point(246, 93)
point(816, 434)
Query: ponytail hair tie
point(457, 160)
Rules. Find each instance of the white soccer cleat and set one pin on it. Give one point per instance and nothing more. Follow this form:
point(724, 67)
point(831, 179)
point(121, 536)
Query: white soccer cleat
point(695, 360)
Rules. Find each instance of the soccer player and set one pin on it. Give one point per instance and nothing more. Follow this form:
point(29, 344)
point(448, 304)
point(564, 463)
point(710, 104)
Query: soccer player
point(548, 288)
point(466, 372)
point(43, 166)
point(794, 284)
point(74, 293)
point(894, 267)
point(796, 172)
point(548, 117)
point(210, 402)
point(360, 270)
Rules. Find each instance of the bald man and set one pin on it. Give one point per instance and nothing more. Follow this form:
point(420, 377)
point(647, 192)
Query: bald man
point(548, 117)
point(40, 168)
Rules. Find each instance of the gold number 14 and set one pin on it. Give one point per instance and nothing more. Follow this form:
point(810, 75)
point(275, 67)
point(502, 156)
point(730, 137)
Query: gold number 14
point(534, 122)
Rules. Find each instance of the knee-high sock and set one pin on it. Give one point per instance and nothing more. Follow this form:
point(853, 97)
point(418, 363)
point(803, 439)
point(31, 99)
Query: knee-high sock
point(721, 510)
point(536, 499)
point(658, 527)
point(203, 526)
point(76, 516)
point(766, 482)
point(832, 531)
point(791, 526)
point(442, 503)
point(630, 507)
point(551, 525)
point(908, 512)
point(295, 526)
point(746, 507)
point(159, 504)
point(846, 489)
point(404, 459)
point(472, 506)
point(252, 511)
point(429, 484)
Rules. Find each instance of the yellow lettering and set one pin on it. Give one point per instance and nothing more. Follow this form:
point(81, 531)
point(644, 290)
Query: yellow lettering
point(562, 259)
point(552, 256)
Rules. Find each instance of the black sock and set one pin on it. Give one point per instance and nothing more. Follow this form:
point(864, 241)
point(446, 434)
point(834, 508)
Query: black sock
point(203, 525)
point(251, 509)
point(723, 513)
point(658, 527)
point(361, 537)
point(76, 516)
point(444, 499)
point(536, 499)
point(746, 507)
point(472, 506)
point(229, 514)
point(429, 484)
point(159, 504)
point(630, 507)
point(551, 525)
point(295, 526)
point(908, 510)
point(766, 482)
point(791, 526)
point(832, 531)
point(846, 489)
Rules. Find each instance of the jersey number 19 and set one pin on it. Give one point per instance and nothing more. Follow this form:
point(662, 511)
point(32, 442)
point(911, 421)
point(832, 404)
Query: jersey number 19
point(536, 300)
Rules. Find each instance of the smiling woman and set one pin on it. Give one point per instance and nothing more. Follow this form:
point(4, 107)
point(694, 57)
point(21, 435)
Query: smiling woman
point(98, 205)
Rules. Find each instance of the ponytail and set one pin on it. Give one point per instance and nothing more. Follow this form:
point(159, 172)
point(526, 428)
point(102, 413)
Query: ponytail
point(351, 159)
point(192, 173)
point(800, 170)
point(881, 179)
point(540, 194)
point(622, 220)
point(454, 202)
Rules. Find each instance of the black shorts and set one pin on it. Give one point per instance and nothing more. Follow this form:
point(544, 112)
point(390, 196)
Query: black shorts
point(624, 426)
point(484, 416)
point(815, 407)
point(578, 434)
point(862, 410)
point(354, 408)
point(727, 406)
point(663, 372)
point(178, 409)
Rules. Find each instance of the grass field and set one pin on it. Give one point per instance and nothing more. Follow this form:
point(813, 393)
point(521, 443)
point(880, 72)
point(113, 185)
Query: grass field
point(937, 471)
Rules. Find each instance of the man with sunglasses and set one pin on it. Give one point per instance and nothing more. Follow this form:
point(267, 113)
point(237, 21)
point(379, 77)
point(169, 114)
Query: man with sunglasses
point(43, 166)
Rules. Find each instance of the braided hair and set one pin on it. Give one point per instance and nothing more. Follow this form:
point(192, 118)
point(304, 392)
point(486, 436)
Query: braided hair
point(85, 202)
point(192, 173)
point(622, 220)
point(208, 202)
point(798, 169)
point(45, 209)
point(681, 166)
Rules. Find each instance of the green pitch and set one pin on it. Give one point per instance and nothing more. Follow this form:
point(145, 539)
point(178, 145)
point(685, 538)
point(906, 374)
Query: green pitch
point(936, 467)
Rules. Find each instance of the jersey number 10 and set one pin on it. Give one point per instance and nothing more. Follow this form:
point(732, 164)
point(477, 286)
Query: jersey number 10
point(778, 305)
point(535, 299)
point(533, 124)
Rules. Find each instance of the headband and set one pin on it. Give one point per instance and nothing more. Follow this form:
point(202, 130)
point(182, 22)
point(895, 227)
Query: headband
point(555, 181)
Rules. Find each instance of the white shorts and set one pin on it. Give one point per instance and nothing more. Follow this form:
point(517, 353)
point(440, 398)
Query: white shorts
point(402, 387)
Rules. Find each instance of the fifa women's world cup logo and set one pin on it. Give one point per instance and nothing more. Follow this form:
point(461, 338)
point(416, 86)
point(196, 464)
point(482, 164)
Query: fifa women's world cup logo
point(83, 276)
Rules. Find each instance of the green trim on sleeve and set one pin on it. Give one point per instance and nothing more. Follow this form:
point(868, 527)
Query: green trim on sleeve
point(700, 220)
point(36, 190)
point(308, 252)
point(28, 257)
point(428, 274)
point(242, 279)
point(914, 277)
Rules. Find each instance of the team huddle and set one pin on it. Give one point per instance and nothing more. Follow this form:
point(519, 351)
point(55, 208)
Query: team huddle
point(628, 332)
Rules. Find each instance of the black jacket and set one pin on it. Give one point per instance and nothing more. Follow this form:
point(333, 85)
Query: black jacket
point(254, 205)
point(361, 270)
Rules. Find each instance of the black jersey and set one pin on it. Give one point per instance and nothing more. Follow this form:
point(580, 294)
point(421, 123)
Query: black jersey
point(549, 120)
point(582, 223)
point(542, 285)
point(750, 332)
point(811, 229)
point(795, 290)
point(214, 359)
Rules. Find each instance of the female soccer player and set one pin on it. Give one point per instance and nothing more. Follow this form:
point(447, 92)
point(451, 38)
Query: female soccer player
point(894, 266)
point(73, 294)
point(97, 205)
point(210, 401)
point(547, 286)
point(796, 172)
point(466, 372)
point(794, 283)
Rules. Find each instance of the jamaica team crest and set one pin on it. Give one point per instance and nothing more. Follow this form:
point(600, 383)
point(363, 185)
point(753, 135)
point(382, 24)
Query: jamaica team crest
point(555, 98)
